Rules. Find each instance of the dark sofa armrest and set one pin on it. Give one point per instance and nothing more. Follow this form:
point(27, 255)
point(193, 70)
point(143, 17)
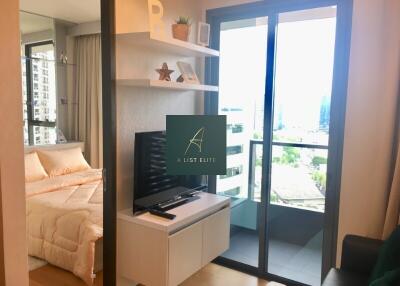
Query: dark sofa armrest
point(359, 254)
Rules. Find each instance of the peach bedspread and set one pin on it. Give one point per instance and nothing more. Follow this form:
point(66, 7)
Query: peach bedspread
point(65, 219)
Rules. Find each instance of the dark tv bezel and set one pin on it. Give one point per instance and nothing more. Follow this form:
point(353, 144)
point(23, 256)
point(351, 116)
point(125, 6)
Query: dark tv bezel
point(147, 201)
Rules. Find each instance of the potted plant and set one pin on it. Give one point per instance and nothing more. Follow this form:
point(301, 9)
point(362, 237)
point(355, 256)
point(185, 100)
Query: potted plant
point(181, 29)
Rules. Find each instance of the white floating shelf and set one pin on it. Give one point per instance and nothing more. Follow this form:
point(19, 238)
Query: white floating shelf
point(166, 85)
point(166, 45)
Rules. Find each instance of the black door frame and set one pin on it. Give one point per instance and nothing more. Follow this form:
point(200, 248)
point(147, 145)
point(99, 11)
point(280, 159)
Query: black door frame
point(338, 104)
point(109, 141)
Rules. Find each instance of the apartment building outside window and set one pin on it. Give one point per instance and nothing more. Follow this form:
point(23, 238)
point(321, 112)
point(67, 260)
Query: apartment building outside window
point(39, 93)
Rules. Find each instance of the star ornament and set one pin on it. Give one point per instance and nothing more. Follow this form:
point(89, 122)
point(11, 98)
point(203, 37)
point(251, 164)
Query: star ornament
point(165, 72)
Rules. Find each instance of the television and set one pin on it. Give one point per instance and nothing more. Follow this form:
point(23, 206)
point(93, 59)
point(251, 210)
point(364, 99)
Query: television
point(153, 187)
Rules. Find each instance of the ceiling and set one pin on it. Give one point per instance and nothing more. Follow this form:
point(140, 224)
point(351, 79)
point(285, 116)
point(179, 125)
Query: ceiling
point(75, 11)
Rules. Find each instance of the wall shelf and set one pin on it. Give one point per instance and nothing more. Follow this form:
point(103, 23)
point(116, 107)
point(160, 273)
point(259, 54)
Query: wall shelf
point(166, 45)
point(166, 85)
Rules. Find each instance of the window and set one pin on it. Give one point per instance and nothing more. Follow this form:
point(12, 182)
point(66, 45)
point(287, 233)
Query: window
point(233, 150)
point(231, 172)
point(235, 128)
point(39, 91)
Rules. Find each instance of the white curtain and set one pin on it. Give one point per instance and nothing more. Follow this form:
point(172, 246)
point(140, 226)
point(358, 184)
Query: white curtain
point(86, 114)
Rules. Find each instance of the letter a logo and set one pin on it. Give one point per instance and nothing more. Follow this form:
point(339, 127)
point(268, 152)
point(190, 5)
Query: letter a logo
point(197, 140)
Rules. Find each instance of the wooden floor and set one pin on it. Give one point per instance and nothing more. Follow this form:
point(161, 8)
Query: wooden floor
point(51, 276)
point(211, 275)
point(215, 275)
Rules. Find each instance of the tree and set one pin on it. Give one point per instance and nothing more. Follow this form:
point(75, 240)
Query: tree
point(290, 156)
point(320, 180)
point(318, 160)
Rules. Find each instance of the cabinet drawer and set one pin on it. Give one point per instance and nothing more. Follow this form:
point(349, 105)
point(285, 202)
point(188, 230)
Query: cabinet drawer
point(185, 250)
point(216, 230)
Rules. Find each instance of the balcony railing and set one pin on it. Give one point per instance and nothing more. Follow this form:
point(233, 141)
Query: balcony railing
point(253, 159)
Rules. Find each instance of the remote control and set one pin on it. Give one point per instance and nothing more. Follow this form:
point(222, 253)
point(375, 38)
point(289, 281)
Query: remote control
point(162, 214)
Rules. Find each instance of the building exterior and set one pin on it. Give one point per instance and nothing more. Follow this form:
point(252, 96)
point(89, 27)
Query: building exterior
point(43, 92)
point(235, 182)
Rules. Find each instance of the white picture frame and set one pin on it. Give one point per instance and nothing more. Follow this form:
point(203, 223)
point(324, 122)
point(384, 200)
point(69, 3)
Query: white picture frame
point(188, 73)
point(203, 34)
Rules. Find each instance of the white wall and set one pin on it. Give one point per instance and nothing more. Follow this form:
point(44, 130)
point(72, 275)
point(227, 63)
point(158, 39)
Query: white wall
point(144, 109)
point(60, 38)
point(371, 101)
point(87, 28)
point(13, 244)
point(371, 104)
point(46, 35)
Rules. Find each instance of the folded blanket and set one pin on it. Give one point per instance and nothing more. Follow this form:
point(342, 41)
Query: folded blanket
point(387, 269)
point(65, 219)
point(55, 183)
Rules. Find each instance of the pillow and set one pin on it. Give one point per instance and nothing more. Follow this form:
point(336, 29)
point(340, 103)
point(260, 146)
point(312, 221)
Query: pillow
point(34, 170)
point(62, 162)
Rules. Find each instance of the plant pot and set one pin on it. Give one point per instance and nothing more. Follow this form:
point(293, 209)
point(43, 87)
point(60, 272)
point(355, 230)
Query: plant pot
point(181, 32)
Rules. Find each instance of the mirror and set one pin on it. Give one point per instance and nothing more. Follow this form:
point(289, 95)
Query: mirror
point(38, 67)
point(62, 121)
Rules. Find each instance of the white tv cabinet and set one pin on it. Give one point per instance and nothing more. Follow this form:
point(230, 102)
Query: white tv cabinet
point(154, 251)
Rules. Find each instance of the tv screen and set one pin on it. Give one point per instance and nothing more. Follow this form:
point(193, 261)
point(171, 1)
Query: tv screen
point(152, 184)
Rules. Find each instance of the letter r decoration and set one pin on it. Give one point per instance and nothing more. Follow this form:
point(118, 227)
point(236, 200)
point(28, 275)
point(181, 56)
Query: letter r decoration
point(156, 12)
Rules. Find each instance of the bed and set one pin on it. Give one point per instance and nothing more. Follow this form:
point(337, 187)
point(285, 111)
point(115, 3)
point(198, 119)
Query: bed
point(65, 221)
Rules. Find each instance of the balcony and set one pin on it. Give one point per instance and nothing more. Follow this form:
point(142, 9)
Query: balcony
point(294, 223)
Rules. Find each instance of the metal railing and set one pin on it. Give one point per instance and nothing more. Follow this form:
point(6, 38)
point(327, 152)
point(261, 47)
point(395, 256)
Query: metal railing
point(253, 158)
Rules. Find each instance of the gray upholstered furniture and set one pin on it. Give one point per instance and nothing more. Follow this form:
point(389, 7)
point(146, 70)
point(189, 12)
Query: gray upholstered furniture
point(359, 255)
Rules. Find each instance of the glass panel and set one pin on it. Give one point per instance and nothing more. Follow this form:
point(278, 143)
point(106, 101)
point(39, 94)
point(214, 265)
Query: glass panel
point(43, 83)
point(243, 46)
point(303, 79)
point(303, 83)
point(44, 135)
point(306, 169)
point(256, 153)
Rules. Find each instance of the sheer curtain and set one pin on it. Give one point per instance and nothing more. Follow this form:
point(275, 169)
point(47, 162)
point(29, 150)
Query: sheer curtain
point(87, 113)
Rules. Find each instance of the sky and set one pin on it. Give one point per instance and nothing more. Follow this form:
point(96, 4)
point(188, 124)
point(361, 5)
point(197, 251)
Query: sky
point(304, 68)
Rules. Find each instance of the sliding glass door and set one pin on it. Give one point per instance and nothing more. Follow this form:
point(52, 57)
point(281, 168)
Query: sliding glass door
point(278, 88)
point(242, 68)
point(304, 57)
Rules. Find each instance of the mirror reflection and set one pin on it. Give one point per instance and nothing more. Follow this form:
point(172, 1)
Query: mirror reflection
point(62, 122)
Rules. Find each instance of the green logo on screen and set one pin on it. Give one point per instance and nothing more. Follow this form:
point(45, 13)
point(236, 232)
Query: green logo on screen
point(196, 145)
